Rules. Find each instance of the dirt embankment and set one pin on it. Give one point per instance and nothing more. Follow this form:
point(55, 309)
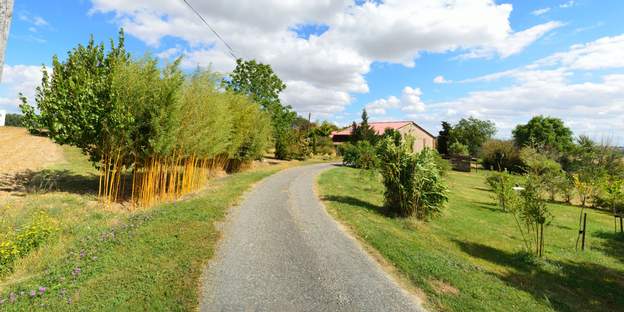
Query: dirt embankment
point(22, 154)
point(20, 151)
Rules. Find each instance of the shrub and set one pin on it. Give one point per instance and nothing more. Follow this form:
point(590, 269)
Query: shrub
point(14, 120)
point(323, 145)
point(430, 191)
point(502, 185)
point(566, 187)
point(359, 155)
point(443, 165)
point(501, 155)
point(413, 183)
point(16, 245)
point(531, 214)
point(458, 149)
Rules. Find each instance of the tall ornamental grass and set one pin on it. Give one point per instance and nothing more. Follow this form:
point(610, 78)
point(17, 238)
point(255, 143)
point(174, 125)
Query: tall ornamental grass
point(153, 132)
point(413, 182)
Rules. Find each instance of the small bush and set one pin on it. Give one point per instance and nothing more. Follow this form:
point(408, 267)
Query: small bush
point(458, 149)
point(14, 120)
point(359, 155)
point(444, 166)
point(501, 155)
point(413, 183)
point(502, 185)
point(16, 245)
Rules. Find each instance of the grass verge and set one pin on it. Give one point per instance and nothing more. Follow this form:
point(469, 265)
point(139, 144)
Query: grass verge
point(111, 259)
point(470, 258)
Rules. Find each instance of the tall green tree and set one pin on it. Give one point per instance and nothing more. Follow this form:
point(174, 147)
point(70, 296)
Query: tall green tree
point(545, 134)
point(363, 131)
point(259, 82)
point(444, 137)
point(76, 101)
point(473, 132)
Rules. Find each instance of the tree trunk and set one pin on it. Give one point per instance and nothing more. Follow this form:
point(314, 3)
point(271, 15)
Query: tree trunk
point(6, 11)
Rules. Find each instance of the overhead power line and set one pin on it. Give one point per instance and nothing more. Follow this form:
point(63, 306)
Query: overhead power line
point(230, 50)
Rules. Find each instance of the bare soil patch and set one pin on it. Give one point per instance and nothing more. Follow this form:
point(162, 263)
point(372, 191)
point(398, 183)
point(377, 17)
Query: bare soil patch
point(21, 154)
point(21, 151)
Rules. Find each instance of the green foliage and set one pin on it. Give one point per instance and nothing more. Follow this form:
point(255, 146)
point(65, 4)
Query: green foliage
point(532, 214)
point(444, 138)
point(413, 183)
point(545, 133)
point(502, 184)
point(146, 110)
point(459, 149)
point(430, 190)
point(319, 138)
point(547, 171)
point(472, 132)
point(17, 244)
point(259, 82)
point(501, 155)
point(472, 244)
point(14, 120)
point(296, 145)
point(361, 155)
point(444, 166)
point(363, 131)
point(76, 103)
point(614, 199)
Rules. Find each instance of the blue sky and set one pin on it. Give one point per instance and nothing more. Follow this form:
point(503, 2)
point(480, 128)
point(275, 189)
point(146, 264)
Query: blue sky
point(419, 60)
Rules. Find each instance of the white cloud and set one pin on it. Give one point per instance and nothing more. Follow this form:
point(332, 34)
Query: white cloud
point(440, 79)
point(322, 71)
point(32, 19)
point(553, 86)
point(539, 12)
point(568, 4)
point(16, 79)
point(409, 103)
point(379, 107)
point(604, 53)
point(514, 43)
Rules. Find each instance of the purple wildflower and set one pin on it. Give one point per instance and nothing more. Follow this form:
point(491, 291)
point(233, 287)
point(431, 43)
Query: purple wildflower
point(75, 272)
point(82, 254)
point(33, 293)
point(42, 290)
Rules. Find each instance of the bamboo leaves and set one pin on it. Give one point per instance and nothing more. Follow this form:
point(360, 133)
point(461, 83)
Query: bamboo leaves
point(154, 133)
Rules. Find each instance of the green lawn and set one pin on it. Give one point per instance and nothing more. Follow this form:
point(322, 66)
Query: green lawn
point(470, 259)
point(111, 259)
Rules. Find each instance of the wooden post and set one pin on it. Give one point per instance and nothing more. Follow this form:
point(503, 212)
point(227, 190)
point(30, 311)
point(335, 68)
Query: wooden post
point(584, 230)
point(6, 11)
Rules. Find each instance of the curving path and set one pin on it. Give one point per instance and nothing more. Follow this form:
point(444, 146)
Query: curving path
point(282, 252)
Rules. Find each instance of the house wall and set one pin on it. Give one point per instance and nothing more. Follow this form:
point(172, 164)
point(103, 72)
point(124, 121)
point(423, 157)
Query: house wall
point(422, 139)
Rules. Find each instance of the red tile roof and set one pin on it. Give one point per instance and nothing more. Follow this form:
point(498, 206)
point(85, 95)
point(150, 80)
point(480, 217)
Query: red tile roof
point(379, 127)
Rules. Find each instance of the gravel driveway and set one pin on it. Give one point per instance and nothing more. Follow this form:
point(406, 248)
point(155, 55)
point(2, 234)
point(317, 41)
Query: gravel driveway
point(282, 252)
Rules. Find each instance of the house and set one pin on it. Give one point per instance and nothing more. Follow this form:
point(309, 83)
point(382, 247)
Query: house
point(422, 138)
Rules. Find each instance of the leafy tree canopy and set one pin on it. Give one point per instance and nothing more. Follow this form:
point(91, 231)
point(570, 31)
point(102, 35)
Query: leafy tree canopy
point(473, 132)
point(363, 131)
point(444, 137)
point(544, 133)
point(259, 82)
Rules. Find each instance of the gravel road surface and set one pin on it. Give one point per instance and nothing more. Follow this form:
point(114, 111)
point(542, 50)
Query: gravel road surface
point(282, 252)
